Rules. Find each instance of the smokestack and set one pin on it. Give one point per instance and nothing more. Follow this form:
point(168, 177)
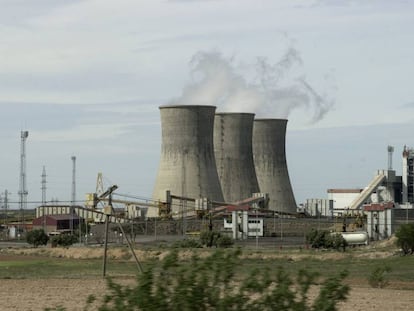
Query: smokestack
point(234, 157)
point(187, 165)
point(269, 153)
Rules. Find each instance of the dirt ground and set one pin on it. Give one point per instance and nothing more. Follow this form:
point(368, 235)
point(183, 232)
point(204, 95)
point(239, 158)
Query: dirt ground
point(38, 294)
point(35, 295)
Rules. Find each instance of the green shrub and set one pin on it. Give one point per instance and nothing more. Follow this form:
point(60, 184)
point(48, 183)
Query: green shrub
point(377, 277)
point(405, 238)
point(216, 239)
point(209, 238)
point(335, 241)
point(187, 243)
point(64, 240)
point(326, 239)
point(224, 241)
point(209, 284)
point(37, 237)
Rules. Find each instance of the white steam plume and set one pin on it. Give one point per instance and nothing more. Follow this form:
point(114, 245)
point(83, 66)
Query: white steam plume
point(274, 91)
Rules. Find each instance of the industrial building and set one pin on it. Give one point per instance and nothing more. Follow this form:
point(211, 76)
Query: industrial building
point(408, 175)
point(212, 160)
point(234, 155)
point(386, 202)
point(269, 153)
point(223, 158)
point(56, 224)
point(187, 166)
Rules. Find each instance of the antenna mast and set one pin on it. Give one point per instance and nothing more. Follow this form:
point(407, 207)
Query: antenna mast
point(390, 152)
point(73, 200)
point(23, 188)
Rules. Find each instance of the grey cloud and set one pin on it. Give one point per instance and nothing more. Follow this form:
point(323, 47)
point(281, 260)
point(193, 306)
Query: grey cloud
point(409, 105)
point(64, 82)
point(17, 12)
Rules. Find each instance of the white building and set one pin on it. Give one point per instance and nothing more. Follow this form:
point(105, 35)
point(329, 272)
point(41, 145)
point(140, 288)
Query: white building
point(342, 199)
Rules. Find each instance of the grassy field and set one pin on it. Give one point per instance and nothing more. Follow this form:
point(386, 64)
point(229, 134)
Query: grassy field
point(48, 263)
point(33, 279)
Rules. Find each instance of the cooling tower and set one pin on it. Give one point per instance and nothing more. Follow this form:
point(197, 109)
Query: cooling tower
point(269, 155)
point(187, 166)
point(234, 156)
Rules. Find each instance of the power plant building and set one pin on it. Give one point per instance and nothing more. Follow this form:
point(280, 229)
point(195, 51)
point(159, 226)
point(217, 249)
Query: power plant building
point(187, 165)
point(408, 175)
point(269, 153)
point(234, 157)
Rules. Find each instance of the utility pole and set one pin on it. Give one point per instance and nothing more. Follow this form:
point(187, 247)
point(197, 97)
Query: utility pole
point(5, 208)
point(5, 204)
point(23, 188)
point(73, 197)
point(73, 200)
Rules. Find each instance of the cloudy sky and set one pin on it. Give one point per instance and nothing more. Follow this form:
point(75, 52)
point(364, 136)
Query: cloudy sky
point(86, 77)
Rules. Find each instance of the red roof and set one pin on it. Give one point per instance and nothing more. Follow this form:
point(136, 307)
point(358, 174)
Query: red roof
point(378, 206)
point(344, 190)
point(53, 219)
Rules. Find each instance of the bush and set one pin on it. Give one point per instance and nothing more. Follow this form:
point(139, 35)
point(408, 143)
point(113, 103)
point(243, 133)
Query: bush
point(224, 241)
point(405, 238)
point(215, 238)
point(187, 243)
point(37, 237)
point(336, 241)
point(377, 277)
point(64, 240)
point(326, 239)
point(209, 284)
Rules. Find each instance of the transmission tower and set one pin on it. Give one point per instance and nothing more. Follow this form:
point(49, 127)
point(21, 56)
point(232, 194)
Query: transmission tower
point(44, 186)
point(23, 189)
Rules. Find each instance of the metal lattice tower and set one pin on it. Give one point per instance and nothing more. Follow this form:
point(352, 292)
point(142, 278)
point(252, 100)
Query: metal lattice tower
point(73, 199)
point(43, 186)
point(23, 188)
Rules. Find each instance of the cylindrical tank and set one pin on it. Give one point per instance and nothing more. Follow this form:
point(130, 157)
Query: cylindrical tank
point(355, 238)
point(234, 157)
point(187, 166)
point(269, 153)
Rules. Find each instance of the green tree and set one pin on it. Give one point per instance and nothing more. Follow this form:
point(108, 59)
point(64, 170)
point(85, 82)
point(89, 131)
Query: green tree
point(405, 238)
point(212, 283)
point(37, 237)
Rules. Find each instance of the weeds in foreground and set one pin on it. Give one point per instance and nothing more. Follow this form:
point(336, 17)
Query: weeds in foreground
point(212, 283)
point(377, 278)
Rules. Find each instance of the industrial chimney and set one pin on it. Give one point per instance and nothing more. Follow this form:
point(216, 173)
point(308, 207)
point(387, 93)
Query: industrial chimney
point(187, 165)
point(269, 153)
point(234, 157)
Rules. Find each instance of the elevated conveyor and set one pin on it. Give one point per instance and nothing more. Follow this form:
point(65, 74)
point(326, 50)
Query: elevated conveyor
point(364, 195)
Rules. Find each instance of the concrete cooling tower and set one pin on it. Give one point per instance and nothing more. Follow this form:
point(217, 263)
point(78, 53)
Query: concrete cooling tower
point(187, 167)
point(269, 153)
point(234, 156)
